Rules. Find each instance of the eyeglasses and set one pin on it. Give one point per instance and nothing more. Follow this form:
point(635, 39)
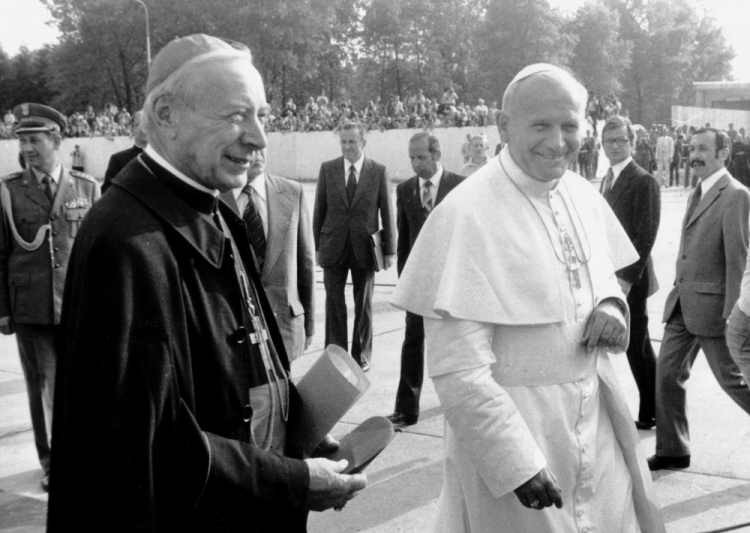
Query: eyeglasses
point(621, 141)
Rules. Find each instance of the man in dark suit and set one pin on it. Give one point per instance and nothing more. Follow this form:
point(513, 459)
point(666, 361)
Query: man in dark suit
point(415, 199)
point(174, 393)
point(118, 161)
point(42, 209)
point(352, 191)
point(710, 264)
point(284, 249)
point(634, 196)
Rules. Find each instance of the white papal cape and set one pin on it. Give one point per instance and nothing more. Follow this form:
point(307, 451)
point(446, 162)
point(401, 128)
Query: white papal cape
point(503, 325)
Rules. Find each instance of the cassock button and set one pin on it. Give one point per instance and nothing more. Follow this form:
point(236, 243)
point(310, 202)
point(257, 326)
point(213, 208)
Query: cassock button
point(684, 257)
point(247, 413)
point(54, 234)
point(240, 335)
point(53, 217)
point(56, 249)
point(57, 265)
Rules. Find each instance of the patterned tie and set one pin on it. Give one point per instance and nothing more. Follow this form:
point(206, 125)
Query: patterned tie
point(426, 198)
point(254, 227)
point(608, 181)
point(351, 184)
point(49, 187)
point(694, 201)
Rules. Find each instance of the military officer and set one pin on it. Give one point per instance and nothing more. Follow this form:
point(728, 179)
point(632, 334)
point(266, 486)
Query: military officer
point(41, 209)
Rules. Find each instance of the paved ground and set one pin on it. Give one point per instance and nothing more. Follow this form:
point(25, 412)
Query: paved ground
point(404, 482)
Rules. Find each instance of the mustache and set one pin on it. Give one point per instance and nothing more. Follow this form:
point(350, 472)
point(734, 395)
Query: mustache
point(697, 163)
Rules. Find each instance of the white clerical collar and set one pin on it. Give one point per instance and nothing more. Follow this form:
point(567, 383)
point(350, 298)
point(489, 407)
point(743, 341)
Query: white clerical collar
point(357, 166)
point(529, 185)
point(619, 167)
point(56, 173)
point(707, 183)
point(149, 150)
point(434, 179)
point(258, 184)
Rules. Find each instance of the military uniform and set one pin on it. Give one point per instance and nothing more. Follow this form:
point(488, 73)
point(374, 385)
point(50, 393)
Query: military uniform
point(35, 243)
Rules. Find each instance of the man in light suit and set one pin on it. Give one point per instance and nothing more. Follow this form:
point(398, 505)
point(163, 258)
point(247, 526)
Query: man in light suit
point(634, 196)
point(415, 199)
point(664, 153)
point(710, 264)
point(286, 259)
point(352, 191)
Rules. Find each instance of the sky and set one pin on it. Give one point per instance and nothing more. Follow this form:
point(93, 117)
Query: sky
point(23, 22)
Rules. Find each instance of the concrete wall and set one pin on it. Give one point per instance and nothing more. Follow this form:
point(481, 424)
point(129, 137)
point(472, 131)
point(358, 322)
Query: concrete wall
point(291, 154)
point(719, 118)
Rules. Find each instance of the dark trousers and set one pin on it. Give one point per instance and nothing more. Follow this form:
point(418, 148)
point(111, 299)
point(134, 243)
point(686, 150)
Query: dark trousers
point(363, 281)
point(674, 173)
point(642, 359)
point(36, 347)
point(412, 366)
point(676, 357)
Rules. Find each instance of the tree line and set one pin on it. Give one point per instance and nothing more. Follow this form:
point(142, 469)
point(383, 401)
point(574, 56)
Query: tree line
point(647, 53)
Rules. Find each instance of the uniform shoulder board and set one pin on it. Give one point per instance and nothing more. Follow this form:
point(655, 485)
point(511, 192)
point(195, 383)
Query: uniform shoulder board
point(12, 176)
point(81, 175)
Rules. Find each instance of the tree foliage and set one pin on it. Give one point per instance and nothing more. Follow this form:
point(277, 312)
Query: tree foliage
point(646, 52)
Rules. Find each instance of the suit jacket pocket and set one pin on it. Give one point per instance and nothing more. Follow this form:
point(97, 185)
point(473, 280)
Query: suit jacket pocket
point(74, 218)
point(19, 284)
point(296, 308)
point(709, 287)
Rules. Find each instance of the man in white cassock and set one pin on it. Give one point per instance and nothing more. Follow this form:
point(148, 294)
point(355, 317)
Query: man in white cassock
point(514, 274)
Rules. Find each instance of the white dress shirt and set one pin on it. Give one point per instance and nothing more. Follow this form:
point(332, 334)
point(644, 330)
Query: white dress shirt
point(357, 168)
point(435, 181)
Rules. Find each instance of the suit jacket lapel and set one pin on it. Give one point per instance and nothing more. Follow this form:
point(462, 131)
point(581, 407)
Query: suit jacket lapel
point(365, 178)
point(66, 183)
point(443, 188)
point(340, 179)
point(33, 189)
point(709, 198)
point(279, 201)
point(622, 184)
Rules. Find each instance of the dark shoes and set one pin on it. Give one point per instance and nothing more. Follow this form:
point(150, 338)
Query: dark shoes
point(365, 366)
point(45, 482)
point(657, 462)
point(401, 420)
point(645, 425)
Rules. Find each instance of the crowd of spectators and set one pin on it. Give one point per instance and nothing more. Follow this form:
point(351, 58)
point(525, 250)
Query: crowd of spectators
point(108, 122)
point(414, 111)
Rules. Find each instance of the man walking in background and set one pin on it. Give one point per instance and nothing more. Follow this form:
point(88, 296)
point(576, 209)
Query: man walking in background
point(42, 210)
point(352, 192)
point(280, 233)
point(634, 196)
point(415, 199)
point(710, 265)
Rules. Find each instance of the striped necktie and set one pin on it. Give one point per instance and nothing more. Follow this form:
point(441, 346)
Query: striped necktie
point(254, 227)
point(426, 198)
point(608, 181)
